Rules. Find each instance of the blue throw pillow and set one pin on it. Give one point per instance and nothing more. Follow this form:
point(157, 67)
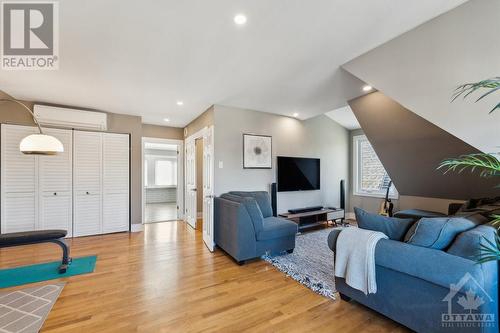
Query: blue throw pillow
point(437, 232)
point(468, 244)
point(394, 228)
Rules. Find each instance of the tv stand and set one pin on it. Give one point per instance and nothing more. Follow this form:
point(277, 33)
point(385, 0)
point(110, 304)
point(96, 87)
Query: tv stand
point(317, 217)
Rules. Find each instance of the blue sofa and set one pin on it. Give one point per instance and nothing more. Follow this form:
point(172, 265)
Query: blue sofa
point(245, 226)
point(413, 283)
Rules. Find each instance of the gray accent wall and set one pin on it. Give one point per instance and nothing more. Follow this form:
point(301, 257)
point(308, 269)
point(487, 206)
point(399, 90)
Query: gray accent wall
point(162, 132)
point(410, 148)
point(319, 137)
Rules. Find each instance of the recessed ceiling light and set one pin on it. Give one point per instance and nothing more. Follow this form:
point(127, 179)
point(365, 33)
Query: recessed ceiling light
point(240, 19)
point(180, 103)
point(166, 119)
point(367, 88)
point(295, 115)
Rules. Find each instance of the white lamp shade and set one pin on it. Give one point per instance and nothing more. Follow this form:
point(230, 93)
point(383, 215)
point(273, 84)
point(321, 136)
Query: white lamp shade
point(41, 144)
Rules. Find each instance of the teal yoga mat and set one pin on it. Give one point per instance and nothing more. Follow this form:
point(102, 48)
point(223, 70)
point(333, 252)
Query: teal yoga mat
point(17, 276)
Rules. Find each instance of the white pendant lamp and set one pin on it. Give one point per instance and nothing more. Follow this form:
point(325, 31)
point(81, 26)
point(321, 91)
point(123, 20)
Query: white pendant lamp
point(37, 144)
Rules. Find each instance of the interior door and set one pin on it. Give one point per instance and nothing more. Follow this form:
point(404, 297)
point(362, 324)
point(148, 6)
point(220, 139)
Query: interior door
point(19, 207)
point(115, 215)
point(191, 182)
point(87, 180)
point(56, 184)
point(208, 188)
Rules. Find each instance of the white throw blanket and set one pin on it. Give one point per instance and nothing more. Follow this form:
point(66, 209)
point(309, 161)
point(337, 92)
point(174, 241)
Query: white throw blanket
point(355, 258)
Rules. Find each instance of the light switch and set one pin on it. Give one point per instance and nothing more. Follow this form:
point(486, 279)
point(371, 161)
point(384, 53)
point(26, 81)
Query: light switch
point(221, 164)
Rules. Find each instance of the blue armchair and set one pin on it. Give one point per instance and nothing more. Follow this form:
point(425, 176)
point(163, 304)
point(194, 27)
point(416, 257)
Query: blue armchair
point(246, 229)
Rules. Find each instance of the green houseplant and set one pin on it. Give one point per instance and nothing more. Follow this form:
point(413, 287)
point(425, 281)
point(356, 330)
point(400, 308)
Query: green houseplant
point(486, 165)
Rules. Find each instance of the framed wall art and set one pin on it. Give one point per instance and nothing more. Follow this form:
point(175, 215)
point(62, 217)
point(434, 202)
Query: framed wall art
point(257, 151)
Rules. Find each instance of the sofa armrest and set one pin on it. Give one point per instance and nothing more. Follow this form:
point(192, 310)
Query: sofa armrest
point(431, 265)
point(332, 239)
point(234, 231)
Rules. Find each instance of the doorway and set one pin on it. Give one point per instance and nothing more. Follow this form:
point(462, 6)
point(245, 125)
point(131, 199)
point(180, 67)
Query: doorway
point(199, 183)
point(162, 180)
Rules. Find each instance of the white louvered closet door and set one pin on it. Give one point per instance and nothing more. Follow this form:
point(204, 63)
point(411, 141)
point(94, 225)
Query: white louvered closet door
point(115, 182)
point(87, 183)
point(56, 185)
point(19, 208)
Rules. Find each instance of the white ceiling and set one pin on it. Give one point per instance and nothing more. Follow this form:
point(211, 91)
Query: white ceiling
point(140, 57)
point(344, 117)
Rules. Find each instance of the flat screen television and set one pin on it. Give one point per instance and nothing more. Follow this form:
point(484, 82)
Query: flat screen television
point(298, 174)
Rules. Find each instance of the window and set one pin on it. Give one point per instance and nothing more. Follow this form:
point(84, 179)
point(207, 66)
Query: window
point(165, 172)
point(369, 175)
point(146, 173)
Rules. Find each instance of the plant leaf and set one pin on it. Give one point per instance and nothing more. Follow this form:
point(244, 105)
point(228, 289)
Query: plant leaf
point(465, 90)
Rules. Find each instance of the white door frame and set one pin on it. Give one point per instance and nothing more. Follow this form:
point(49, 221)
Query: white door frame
point(203, 134)
point(180, 174)
point(193, 137)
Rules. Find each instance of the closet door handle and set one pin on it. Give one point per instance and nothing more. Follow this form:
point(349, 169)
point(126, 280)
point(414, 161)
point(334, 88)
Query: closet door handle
point(87, 193)
point(55, 193)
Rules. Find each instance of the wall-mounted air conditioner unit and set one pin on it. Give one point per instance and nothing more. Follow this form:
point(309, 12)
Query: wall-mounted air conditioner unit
point(70, 118)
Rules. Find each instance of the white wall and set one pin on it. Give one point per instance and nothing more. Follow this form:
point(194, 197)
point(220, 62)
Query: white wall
point(421, 68)
point(319, 137)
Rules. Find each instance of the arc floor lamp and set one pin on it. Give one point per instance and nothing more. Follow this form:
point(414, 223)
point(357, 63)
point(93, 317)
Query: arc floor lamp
point(37, 144)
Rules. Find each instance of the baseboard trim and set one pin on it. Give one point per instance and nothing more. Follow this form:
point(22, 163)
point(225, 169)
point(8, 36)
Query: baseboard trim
point(136, 227)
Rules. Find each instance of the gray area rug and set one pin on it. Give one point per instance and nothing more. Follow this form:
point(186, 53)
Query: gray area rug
point(26, 310)
point(311, 263)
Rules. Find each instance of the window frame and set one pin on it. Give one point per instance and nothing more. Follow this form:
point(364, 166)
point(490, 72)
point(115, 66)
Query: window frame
point(356, 173)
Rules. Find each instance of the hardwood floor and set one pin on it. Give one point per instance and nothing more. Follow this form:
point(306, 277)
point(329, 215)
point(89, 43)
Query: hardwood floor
point(165, 280)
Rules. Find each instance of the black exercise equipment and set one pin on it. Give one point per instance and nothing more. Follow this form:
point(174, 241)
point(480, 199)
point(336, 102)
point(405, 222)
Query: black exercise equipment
point(37, 237)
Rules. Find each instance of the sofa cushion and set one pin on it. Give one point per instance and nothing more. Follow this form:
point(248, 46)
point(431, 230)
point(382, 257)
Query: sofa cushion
point(438, 232)
point(252, 208)
point(275, 227)
point(394, 228)
point(263, 200)
point(468, 244)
